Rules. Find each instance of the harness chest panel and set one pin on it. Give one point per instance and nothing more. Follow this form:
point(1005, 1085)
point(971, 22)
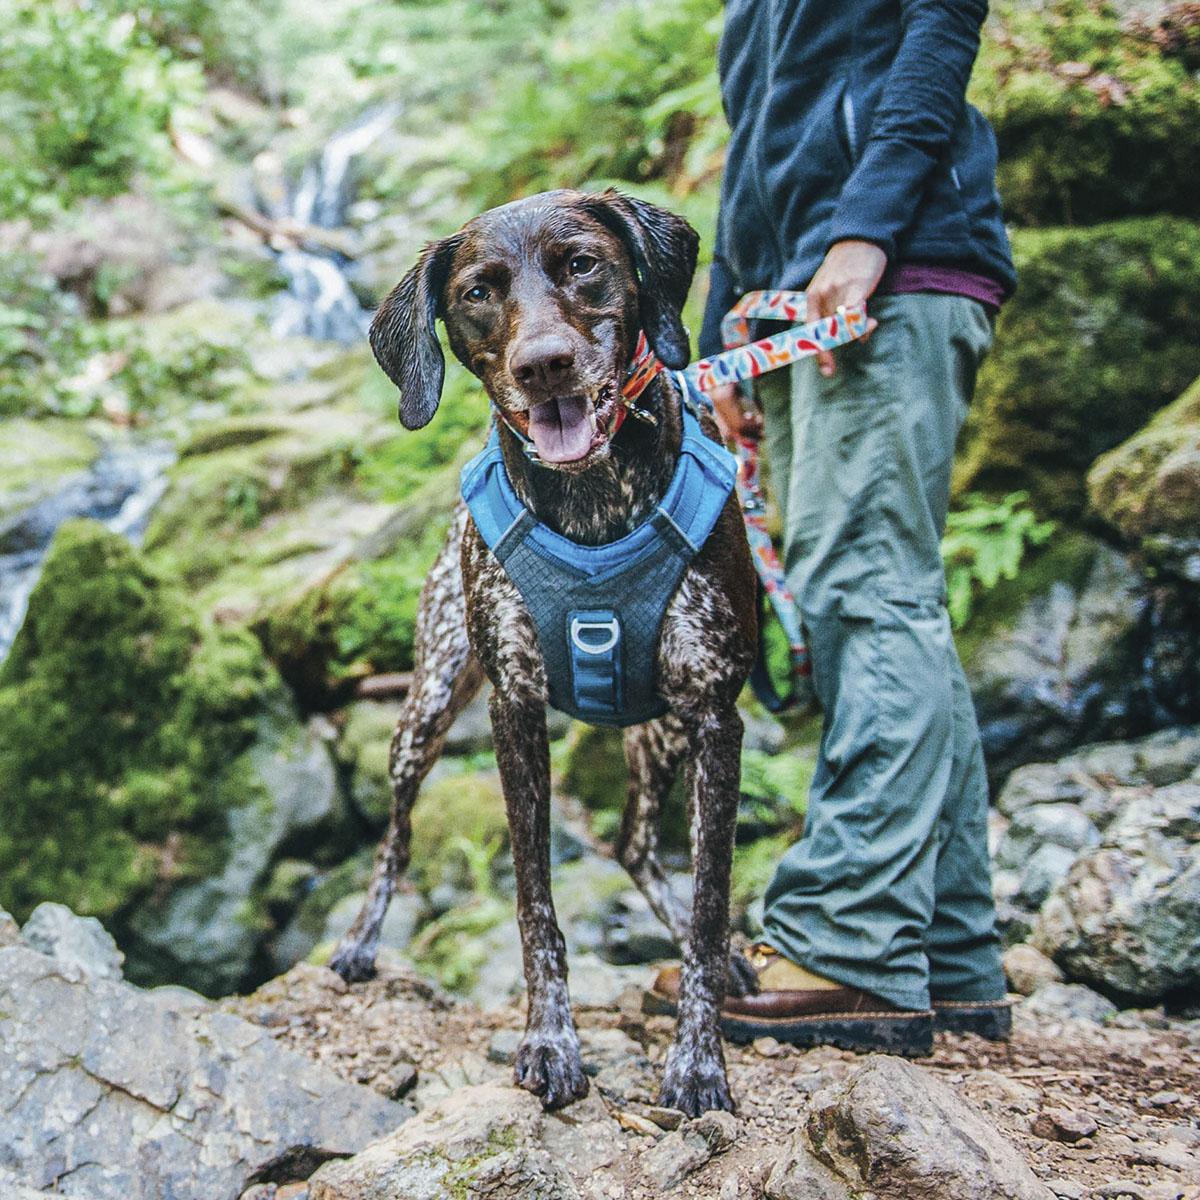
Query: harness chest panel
point(598, 610)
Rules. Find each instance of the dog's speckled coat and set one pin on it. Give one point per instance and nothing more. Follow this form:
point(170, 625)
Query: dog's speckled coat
point(543, 299)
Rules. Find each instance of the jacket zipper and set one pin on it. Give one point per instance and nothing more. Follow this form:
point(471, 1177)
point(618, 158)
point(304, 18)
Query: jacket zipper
point(850, 125)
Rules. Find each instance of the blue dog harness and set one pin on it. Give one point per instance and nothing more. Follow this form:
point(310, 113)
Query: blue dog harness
point(598, 610)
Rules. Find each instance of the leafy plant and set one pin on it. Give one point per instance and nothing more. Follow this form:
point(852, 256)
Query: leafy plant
point(86, 104)
point(985, 542)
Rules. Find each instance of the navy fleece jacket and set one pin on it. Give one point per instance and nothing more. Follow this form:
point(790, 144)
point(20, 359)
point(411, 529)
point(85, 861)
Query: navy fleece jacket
point(849, 120)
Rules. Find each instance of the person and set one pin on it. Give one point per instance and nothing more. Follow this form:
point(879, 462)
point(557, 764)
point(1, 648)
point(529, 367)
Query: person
point(857, 171)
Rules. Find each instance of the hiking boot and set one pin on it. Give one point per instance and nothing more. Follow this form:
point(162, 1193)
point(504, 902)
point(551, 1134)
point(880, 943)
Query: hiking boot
point(794, 1005)
point(991, 1019)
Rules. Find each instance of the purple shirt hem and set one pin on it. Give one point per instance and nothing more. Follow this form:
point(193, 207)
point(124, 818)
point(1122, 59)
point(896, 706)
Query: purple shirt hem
point(925, 277)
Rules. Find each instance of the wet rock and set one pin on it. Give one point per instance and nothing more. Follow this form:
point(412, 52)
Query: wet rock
point(1027, 969)
point(54, 930)
point(135, 1100)
point(899, 1133)
point(1064, 670)
point(490, 1139)
point(1148, 488)
point(1125, 917)
point(1068, 1001)
point(201, 935)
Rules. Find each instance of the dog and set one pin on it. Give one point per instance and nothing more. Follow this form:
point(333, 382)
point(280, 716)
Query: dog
point(543, 300)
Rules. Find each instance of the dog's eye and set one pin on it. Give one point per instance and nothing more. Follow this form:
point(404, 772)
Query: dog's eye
point(582, 264)
point(477, 293)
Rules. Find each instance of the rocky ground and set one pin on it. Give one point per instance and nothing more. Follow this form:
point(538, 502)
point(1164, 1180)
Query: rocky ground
point(394, 1088)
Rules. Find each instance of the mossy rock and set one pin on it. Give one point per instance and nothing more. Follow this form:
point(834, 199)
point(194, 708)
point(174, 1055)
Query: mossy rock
point(1103, 331)
point(1148, 488)
point(363, 748)
point(459, 828)
point(120, 720)
point(1073, 73)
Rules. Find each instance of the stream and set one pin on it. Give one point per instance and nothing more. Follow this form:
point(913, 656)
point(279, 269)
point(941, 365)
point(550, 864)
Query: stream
point(119, 490)
point(319, 301)
point(129, 477)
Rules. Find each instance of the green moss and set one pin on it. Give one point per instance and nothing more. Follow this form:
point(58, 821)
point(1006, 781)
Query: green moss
point(451, 948)
point(754, 865)
point(458, 822)
point(1148, 488)
point(1103, 330)
point(120, 720)
point(1073, 73)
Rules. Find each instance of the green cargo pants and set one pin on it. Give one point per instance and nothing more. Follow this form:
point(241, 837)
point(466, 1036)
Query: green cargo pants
point(889, 889)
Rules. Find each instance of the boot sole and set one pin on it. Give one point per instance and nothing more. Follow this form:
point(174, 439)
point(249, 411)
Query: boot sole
point(990, 1021)
point(907, 1034)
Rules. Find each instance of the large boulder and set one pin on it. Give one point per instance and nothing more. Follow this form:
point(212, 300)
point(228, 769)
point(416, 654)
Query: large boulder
point(1103, 331)
point(1122, 94)
point(1099, 862)
point(899, 1133)
point(1079, 649)
point(1148, 488)
point(151, 766)
point(490, 1139)
point(111, 1093)
point(1126, 918)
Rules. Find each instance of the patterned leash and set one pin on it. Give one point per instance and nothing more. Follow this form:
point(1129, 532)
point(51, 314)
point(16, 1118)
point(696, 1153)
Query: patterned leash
point(744, 360)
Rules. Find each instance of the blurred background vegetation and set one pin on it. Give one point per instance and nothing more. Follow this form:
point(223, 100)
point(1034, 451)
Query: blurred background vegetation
point(200, 200)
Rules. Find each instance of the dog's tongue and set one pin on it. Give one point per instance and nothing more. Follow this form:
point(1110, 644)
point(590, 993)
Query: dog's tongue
point(560, 429)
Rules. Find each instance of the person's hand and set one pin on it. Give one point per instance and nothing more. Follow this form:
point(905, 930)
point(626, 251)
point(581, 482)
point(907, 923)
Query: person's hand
point(734, 419)
point(850, 273)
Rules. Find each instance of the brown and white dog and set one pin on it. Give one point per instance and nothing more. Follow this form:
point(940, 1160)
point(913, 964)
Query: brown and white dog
point(543, 300)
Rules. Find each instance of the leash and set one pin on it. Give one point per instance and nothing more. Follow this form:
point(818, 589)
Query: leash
point(744, 359)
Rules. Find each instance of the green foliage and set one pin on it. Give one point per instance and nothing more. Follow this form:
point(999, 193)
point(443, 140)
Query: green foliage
point(1103, 331)
point(625, 92)
point(43, 338)
point(776, 783)
point(86, 104)
point(754, 865)
point(120, 718)
point(1073, 73)
point(985, 542)
point(375, 626)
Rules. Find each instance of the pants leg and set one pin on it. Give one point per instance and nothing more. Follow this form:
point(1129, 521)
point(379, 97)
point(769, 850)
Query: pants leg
point(889, 888)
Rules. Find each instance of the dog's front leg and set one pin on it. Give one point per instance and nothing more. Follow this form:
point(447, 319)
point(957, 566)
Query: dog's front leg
point(548, 1061)
point(694, 1080)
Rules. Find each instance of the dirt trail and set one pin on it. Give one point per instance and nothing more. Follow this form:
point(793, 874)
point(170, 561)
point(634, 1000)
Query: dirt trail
point(1137, 1082)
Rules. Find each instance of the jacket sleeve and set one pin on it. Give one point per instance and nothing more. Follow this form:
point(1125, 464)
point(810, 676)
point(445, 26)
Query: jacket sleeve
point(721, 297)
point(921, 103)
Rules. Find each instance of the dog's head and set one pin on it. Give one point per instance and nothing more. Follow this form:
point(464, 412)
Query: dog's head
point(543, 300)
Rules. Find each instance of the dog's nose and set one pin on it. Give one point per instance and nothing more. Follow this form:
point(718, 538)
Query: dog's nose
point(541, 361)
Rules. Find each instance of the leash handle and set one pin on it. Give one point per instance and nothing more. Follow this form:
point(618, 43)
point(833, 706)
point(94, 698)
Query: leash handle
point(744, 359)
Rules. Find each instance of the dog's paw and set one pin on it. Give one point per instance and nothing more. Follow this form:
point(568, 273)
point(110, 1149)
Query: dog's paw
point(695, 1082)
point(552, 1069)
point(353, 963)
point(740, 979)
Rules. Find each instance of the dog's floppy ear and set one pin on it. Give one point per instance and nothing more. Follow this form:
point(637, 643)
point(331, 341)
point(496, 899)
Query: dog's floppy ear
point(404, 334)
point(663, 248)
